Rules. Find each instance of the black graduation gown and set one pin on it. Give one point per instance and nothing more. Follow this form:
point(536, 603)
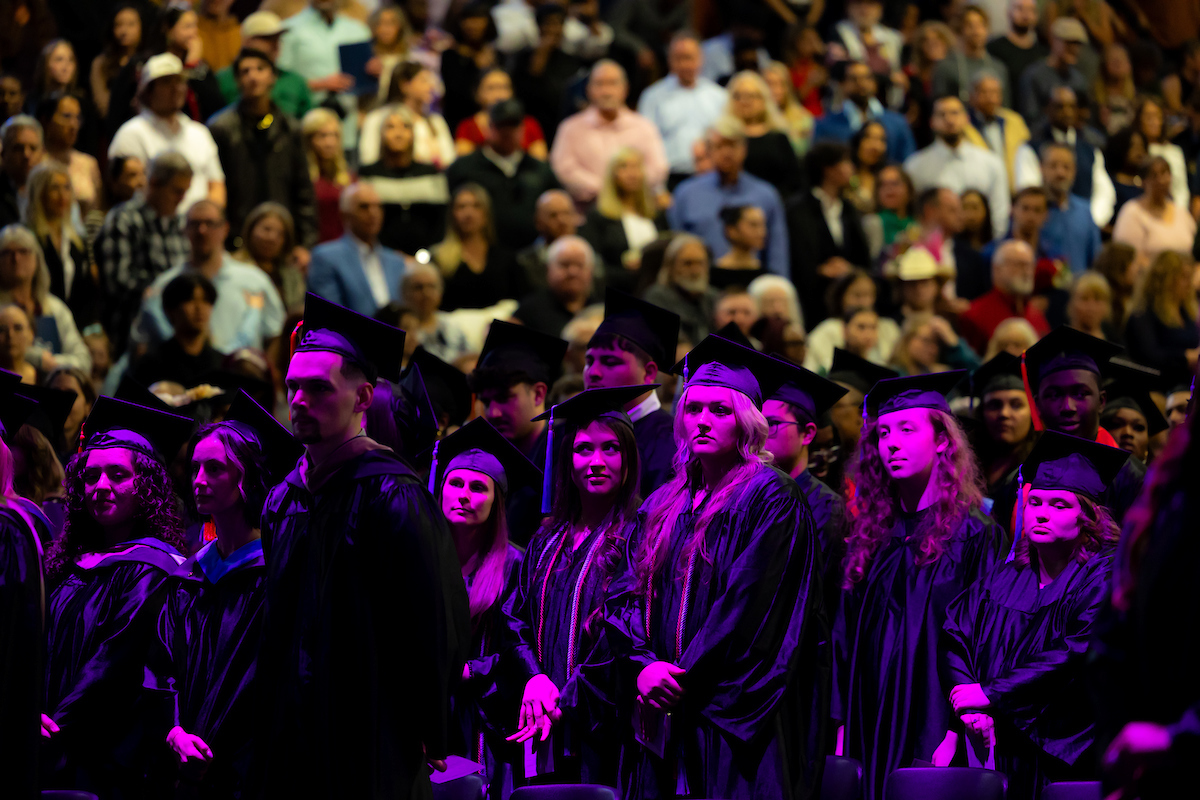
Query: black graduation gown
point(206, 657)
point(655, 434)
point(366, 631)
point(751, 641)
point(886, 637)
point(100, 623)
point(20, 654)
point(829, 523)
point(524, 505)
point(1025, 646)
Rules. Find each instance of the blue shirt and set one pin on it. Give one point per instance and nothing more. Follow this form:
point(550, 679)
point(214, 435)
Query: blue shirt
point(698, 203)
point(682, 115)
point(842, 125)
point(310, 48)
point(1072, 232)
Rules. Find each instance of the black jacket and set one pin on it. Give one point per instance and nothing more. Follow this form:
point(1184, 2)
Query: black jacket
point(10, 210)
point(85, 299)
point(812, 245)
point(514, 200)
point(607, 238)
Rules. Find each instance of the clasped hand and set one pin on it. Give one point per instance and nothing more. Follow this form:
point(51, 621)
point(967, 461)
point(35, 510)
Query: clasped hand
point(658, 686)
point(539, 710)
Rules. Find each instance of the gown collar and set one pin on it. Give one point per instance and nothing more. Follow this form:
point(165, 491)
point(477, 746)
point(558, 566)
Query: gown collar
point(214, 567)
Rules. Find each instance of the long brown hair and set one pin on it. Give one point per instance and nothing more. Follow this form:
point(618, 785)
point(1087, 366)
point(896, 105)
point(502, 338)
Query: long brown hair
point(1155, 293)
point(488, 584)
point(1097, 532)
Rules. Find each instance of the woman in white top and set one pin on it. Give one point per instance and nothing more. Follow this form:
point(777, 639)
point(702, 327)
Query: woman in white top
point(1152, 223)
point(1149, 121)
point(856, 290)
point(415, 86)
point(624, 220)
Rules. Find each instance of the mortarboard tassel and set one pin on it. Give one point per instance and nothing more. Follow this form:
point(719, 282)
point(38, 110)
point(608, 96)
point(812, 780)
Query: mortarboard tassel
point(864, 411)
point(294, 340)
point(1018, 522)
point(433, 470)
point(685, 368)
point(548, 475)
point(1033, 412)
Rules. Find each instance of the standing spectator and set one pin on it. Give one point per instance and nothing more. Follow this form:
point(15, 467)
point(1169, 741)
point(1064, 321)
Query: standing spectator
point(162, 127)
point(23, 149)
point(1150, 122)
point(999, 129)
point(57, 71)
point(554, 216)
point(683, 105)
point(777, 299)
point(859, 87)
point(1119, 264)
point(586, 141)
point(414, 195)
point(544, 73)
point(569, 288)
point(853, 292)
point(126, 177)
point(804, 56)
point(956, 74)
point(141, 239)
point(268, 242)
point(1019, 47)
point(465, 63)
point(826, 232)
point(391, 40)
point(478, 271)
point(1064, 125)
point(699, 199)
point(769, 153)
point(356, 271)
point(413, 84)
point(495, 86)
point(179, 34)
point(682, 286)
point(123, 38)
point(1059, 68)
point(1115, 94)
point(263, 31)
point(624, 220)
point(61, 116)
point(421, 293)
point(24, 29)
point(16, 339)
point(1030, 209)
point(1126, 158)
point(861, 37)
point(797, 117)
point(517, 27)
point(894, 199)
point(868, 151)
point(513, 178)
point(1090, 308)
point(977, 220)
point(220, 33)
point(746, 232)
point(12, 96)
point(73, 277)
point(933, 42)
point(327, 169)
point(186, 356)
point(1069, 229)
point(1162, 330)
point(1013, 268)
point(262, 153)
point(1153, 223)
point(953, 163)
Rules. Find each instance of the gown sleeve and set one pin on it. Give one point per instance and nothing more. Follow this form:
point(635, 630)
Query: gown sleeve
point(518, 612)
point(167, 651)
point(958, 637)
point(625, 613)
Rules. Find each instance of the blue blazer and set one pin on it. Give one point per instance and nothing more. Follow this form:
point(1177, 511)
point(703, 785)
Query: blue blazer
point(835, 125)
point(336, 273)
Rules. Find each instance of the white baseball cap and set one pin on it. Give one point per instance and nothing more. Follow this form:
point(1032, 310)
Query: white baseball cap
point(163, 65)
point(261, 24)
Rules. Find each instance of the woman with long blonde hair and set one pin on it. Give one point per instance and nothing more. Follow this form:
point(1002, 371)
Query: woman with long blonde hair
point(1162, 330)
point(918, 537)
point(625, 219)
point(328, 168)
point(478, 271)
point(769, 152)
point(799, 120)
point(73, 276)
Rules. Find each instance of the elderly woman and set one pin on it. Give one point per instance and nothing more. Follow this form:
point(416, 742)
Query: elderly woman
point(268, 238)
point(776, 297)
point(421, 293)
point(769, 153)
point(25, 281)
point(48, 215)
point(683, 286)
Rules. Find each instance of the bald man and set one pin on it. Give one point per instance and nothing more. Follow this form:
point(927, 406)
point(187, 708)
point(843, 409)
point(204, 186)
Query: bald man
point(1013, 267)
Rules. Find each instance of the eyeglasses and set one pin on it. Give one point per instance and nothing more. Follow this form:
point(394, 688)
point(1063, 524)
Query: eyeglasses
point(774, 424)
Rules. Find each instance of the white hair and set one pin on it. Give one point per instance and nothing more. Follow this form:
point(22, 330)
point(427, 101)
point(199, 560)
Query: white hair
point(607, 62)
point(350, 194)
point(1007, 245)
point(765, 283)
point(417, 269)
point(563, 242)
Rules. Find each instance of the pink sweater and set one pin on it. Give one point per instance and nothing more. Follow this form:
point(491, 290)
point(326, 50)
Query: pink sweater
point(586, 142)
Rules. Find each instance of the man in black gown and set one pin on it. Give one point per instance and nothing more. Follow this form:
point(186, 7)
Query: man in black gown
point(367, 620)
point(633, 344)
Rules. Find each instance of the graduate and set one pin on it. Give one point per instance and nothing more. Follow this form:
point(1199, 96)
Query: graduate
point(1130, 415)
point(402, 416)
point(635, 342)
point(206, 655)
point(857, 376)
point(714, 624)
point(472, 472)
point(1006, 436)
point(367, 619)
point(448, 390)
point(556, 615)
point(1017, 639)
point(106, 582)
point(917, 539)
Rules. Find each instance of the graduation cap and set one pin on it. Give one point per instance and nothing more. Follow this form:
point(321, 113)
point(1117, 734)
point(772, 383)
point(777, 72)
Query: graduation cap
point(54, 405)
point(650, 327)
point(480, 447)
point(373, 346)
point(14, 410)
point(716, 361)
point(251, 421)
point(1060, 350)
point(733, 333)
point(1069, 463)
point(856, 371)
point(446, 384)
point(1001, 374)
point(1130, 388)
point(513, 348)
point(8, 378)
point(913, 391)
point(414, 411)
point(807, 392)
point(152, 432)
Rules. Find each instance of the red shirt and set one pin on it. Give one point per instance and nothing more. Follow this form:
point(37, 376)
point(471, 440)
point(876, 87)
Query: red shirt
point(469, 129)
point(327, 195)
point(979, 322)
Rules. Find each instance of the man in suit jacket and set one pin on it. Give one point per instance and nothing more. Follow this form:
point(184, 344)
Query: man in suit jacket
point(861, 106)
point(999, 129)
point(356, 271)
point(826, 233)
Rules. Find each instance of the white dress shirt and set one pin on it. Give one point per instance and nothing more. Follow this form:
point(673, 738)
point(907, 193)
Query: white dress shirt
point(831, 208)
point(964, 167)
point(647, 406)
point(373, 267)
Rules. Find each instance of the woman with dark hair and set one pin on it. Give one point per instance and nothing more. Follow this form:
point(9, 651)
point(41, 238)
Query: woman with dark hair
point(1155, 222)
point(1150, 121)
point(62, 117)
point(746, 230)
point(868, 151)
point(856, 290)
point(493, 86)
point(268, 239)
point(1007, 433)
point(893, 204)
point(73, 379)
point(466, 63)
point(977, 220)
point(1126, 157)
point(917, 538)
point(1017, 638)
point(122, 40)
point(57, 71)
point(106, 581)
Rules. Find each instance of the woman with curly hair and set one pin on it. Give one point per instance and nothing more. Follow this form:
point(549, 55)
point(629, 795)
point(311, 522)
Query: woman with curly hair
point(917, 539)
point(1017, 638)
point(718, 624)
point(106, 580)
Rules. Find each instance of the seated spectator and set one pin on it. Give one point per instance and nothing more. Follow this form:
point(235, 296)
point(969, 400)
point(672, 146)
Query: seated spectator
point(554, 216)
point(919, 282)
point(769, 153)
point(735, 306)
point(219, 32)
point(1126, 158)
point(921, 343)
point(357, 271)
point(1013, 336)
point(513, 178)
point(1178, 401)
point(1150, 122)
point(894, 200)
point(977, 220)
point(391, 43)
point(126, 177)
point(1020, 46)
point(73, 276)
point(421, 292)
point(187, 355)
point(1114, 93)
point(16, 339)
point(587, 141)
point(327, 169)
point(1030, 209)
point(938, 230)
point(1013, 267)
point(1152, 223)
point(268, 240)
point(248, 311)
point(859, 88)
point(12, 96)
point(698, 200)
point(1065, 126)
point(1060, 68)
point(262, 153)
point(855, 290)
point(413, 85)
point(1090, 306)
point(804, 59)
point(861, 37)
point(414, 195)
point(161, 127)
point(517, 27)
point(933, 42)
point(474, 131)
point(799, 120)
point(868, 151)
point(544, 73)
point(999, 129)
point(22, 149)
point(957, 73)
point(777, 299)
point(568, 288)
point(122, 39)
point(25, 282)
point(1069, 228)
point(262, 31)
point(61, 116)
point(1121, 267)
point(464, 66)
point(624, 220)
point(682, 286)
point(1162, 330)
point(57, 71)
point(746, 232)
point(683, 105)
point(826, 233)
point(478, 271)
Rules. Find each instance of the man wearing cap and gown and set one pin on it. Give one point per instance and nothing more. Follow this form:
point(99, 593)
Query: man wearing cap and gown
point(632, 345)
point(1016, 640)
point(1003, 433)
point(729, 643)
point(367, 619)
point(857, 375)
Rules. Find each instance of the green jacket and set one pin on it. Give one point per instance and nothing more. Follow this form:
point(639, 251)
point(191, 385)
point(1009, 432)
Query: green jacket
point(291, 92)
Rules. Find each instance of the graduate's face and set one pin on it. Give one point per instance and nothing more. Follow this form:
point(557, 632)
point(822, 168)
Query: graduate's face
point(215, 477)
point(1070, 401)
point(709, 422)
point(1052, 517)
point(908, 443)
point(787, 438)
point(1006, 416)
point(605, 367)
point(467, 498)
point(323, 402)
point(1130, 430)
point(108, 486)
point(596, 462)
point(510, 410)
